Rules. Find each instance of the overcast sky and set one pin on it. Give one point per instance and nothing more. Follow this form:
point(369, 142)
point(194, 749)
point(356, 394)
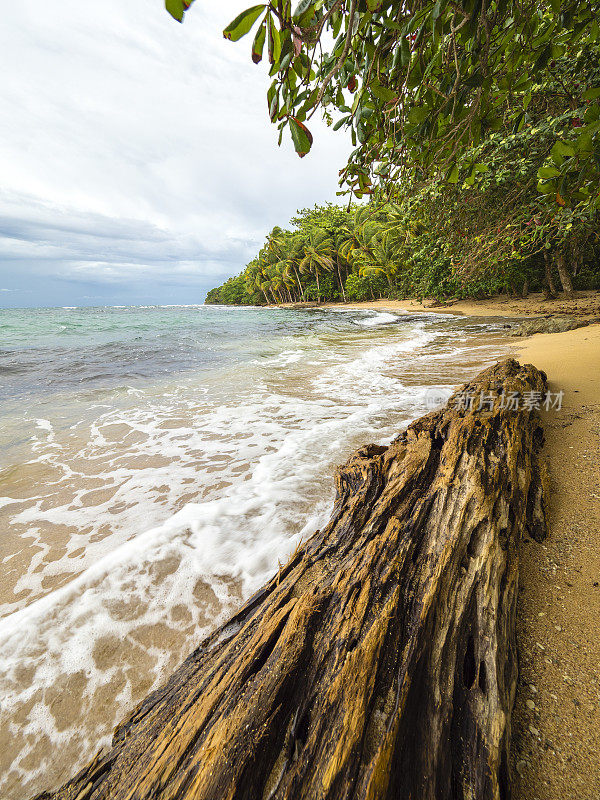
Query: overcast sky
point(137, 161)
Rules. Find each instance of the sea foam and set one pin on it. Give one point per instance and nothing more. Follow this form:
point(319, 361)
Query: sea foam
point(156, 514)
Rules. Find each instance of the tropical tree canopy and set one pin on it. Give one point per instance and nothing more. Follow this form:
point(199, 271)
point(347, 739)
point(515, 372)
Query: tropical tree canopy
point(476, 126)
point(420, 84)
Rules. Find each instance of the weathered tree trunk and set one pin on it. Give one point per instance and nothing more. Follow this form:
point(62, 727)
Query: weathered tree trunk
point(381, 661)
point(563, 274)
point(550, 289)
point(525, 289)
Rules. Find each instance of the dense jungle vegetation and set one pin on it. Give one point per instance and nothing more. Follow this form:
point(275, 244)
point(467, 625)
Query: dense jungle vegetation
point(476, 127)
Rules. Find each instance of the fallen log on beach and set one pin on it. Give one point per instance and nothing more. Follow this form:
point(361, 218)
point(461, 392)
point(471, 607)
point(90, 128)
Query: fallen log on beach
point(380, 662)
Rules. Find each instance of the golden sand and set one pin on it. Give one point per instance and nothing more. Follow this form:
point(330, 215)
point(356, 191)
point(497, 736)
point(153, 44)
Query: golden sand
point(585, 305)
point(557, 719)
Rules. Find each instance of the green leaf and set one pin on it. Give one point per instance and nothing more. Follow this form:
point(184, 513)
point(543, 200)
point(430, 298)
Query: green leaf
point(341, 122)
point(243, 23)
point(374, 5)
point(273, 101)
point(259, 43)
point(546, 187)
point(591, 94)
point(592, 113)
point(176, 9)
point(453, 175)
point(301, 137)
point(382, 92)
point(404, 51)
point(548, 172)
point(562, 149)
point(302, 6)
point(274, 42)
point(585, 142)
point(418, 115)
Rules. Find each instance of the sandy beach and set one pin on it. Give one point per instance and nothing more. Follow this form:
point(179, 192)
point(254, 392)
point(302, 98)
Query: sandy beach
point(557, 717)
point(585, 305)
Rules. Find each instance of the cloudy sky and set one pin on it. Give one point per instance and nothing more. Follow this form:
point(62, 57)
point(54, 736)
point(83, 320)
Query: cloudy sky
point(137, 161)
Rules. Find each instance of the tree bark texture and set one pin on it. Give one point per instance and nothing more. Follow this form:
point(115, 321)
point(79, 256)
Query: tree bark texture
point(380, 663)
point(564, 276)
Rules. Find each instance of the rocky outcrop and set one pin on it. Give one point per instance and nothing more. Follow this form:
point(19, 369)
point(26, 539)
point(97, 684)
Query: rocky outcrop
point(380, 662)
point(550, 324)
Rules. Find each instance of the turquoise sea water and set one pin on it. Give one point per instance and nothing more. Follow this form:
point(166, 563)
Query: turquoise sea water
point(50, 349)
point(156, 464)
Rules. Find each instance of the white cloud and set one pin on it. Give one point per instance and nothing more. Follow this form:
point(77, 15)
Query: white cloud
point(135, 143)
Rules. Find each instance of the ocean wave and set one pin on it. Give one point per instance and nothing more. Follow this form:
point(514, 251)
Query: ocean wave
point(379, 318)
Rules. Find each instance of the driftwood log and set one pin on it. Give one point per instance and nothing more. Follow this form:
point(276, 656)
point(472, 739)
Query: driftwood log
point(381, 661)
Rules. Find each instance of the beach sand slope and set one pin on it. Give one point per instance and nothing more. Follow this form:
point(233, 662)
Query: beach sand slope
point(556, 745)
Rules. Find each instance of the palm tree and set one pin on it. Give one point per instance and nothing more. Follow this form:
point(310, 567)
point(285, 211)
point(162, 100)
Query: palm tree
point(318, 255)
point(290, 251)
point(382, 257)
point(276, 282)
point(255, 279)
point(345, 246)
